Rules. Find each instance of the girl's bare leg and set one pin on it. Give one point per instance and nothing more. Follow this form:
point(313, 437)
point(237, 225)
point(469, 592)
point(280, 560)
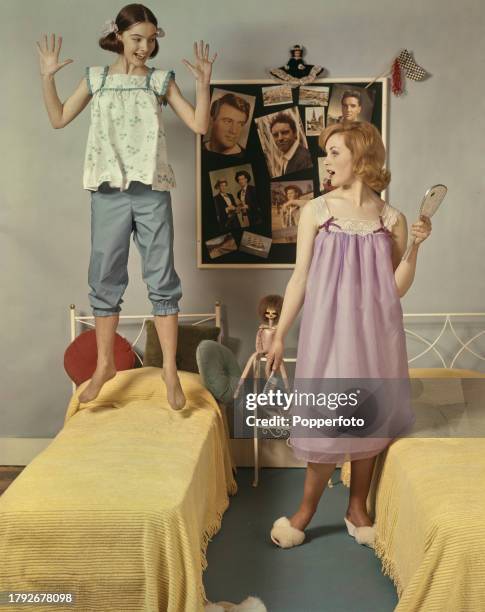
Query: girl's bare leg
point(167, 330)
point(360, 479)
point(105, 366)
point(316, 478)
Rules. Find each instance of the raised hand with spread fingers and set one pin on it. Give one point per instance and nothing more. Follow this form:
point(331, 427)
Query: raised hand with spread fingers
point(49, 55)
point(202, 66)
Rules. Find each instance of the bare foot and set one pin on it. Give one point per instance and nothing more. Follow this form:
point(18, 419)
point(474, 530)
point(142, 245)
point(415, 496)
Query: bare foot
point(301, 518)
point(358, 517)
point(100, 376)
point(175, 395)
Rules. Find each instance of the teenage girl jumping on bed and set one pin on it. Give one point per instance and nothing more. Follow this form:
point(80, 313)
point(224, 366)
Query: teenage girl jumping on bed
point(349, 277)
point(127, 172)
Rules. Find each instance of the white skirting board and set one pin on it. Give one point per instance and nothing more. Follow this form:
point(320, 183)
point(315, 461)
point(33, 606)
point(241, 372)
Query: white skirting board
point(21, 451)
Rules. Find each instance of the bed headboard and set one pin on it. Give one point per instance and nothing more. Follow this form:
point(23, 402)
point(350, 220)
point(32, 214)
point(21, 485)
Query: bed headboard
point(455, 337)
point(77, 321)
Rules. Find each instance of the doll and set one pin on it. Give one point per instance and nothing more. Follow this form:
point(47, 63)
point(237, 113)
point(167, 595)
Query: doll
point(296, 72)
point(269, 310)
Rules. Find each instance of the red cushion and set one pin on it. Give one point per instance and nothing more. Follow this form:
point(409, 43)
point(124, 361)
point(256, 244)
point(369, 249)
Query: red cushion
point(81, 355)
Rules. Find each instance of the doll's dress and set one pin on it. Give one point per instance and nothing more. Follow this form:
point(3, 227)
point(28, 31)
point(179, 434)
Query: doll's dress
point(352, 328)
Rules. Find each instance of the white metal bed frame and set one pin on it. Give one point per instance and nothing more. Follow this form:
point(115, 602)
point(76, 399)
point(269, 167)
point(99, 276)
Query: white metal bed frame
point(88, 321)
point(431, 346)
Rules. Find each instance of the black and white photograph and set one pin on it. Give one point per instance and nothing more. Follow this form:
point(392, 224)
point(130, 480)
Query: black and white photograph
point(284, 143)
point(314, 120)
point(350, 104)
point(230, 216)
point(254, 244)
point(287, 198)
point(313, 96)
point(230, 121)
point(245, 192)
point(221, 245)
point(235, 197)
point(278, 94)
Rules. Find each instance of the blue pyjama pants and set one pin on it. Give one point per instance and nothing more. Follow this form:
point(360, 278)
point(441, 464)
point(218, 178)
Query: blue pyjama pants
point(115, 215)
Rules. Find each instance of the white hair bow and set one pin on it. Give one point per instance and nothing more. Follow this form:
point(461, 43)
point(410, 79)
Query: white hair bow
point(109, 28)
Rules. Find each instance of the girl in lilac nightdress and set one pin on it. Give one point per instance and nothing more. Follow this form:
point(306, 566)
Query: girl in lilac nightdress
point(350, 277)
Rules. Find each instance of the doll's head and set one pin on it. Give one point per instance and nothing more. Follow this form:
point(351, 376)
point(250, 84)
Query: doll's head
point(133, 33)
point(269, 308)
point(355, 151)
point(296, 52)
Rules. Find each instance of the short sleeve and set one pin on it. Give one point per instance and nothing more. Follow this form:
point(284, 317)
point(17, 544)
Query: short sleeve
point(94, 78)
point(160, 80)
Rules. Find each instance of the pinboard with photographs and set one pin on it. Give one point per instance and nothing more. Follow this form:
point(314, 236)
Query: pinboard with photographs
point(260, 162)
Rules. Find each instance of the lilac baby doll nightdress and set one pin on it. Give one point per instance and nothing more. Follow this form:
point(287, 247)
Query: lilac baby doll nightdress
point(352, 328)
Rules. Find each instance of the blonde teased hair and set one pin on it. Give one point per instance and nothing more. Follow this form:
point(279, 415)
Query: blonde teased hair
point(367, 149)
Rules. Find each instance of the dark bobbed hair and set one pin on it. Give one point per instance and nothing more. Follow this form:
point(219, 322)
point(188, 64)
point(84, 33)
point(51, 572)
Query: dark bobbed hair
point(270, 301)
point(130, 15)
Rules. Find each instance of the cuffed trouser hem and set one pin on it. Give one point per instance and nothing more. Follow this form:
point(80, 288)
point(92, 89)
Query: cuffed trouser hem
point(97, 312)
point(159, 310)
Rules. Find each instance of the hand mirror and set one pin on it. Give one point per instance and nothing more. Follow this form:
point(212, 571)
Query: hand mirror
point(430, 204)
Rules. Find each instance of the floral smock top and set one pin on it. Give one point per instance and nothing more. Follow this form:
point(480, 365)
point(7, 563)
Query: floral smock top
point(126, 140)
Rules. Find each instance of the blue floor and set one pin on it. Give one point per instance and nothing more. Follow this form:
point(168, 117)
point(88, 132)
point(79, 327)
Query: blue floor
point(330, 571)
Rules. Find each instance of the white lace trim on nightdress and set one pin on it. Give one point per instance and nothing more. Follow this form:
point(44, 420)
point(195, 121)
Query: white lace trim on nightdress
point(349, 225)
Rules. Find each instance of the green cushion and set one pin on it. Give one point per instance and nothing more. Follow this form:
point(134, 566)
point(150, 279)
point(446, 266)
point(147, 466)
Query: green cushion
point(219, 370)
point(189, 337)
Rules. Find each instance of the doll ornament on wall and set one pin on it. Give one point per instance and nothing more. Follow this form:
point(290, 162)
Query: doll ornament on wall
point(269, 310)
point(296, 71)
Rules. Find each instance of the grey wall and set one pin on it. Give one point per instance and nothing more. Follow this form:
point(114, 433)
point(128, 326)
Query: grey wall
point(435, 135)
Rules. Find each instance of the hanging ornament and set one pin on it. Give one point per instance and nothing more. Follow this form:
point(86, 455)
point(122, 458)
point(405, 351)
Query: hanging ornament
point(402, 65)
point(410, 67)
point(396, 78)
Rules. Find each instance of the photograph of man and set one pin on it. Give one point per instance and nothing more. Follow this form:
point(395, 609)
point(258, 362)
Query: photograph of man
point(284, 142)
point(247, 197)
point(350, 104)
point(229, 214)
point(230, 120)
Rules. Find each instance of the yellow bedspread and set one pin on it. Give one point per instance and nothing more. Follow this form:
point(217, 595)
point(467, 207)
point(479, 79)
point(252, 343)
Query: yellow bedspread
point(430, 509)
point(120, 507)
